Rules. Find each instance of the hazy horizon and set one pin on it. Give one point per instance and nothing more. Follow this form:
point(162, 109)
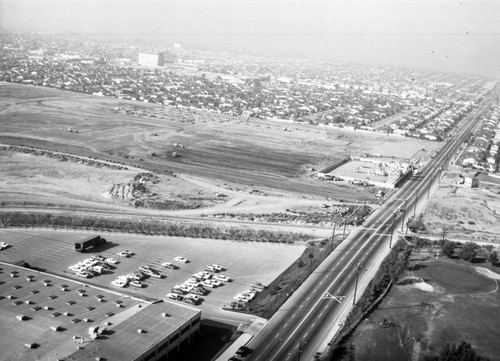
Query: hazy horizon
point(460, 36)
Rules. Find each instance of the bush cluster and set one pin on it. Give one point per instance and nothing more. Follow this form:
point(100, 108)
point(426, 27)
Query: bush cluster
point(23, 219)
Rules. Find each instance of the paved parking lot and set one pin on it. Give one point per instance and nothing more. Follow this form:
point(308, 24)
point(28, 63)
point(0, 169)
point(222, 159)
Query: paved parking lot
point(245, 262)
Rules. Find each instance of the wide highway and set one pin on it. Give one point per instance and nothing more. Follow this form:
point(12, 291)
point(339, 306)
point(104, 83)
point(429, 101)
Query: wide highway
point(299, 328)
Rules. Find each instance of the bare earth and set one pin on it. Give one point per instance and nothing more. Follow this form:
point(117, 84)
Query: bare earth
point(220, 160)
point(463, 213)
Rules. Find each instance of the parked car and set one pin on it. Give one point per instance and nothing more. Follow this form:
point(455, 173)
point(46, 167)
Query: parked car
point(222, 278)
point(169, 265)
point(218, 268)
point(138, 284)
point(111, 260)
point(181, 259)
point(118, 283)
point(4, 245)
point(84, 274)
point(174, 296)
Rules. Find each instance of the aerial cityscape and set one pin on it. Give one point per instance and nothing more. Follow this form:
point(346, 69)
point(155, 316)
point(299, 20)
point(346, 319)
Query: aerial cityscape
point(249, 180)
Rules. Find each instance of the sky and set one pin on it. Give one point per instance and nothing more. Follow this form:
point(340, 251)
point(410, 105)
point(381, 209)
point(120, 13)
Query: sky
point(453, 35)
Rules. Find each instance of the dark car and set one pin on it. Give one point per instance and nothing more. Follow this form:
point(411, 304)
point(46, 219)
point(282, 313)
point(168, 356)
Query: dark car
point(243, 351)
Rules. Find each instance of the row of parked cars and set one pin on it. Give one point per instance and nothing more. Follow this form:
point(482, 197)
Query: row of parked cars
point(93, 266)
point(241, 300)
point(196, 286)
point(135, 278)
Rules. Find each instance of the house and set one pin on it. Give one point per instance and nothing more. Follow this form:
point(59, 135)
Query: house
point(470, 182)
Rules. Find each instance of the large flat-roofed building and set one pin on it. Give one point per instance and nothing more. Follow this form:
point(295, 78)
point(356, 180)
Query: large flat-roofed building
point(151, 59)
point(50, 318)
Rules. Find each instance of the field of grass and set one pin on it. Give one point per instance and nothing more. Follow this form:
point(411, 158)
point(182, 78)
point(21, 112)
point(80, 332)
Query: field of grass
point(455, 303)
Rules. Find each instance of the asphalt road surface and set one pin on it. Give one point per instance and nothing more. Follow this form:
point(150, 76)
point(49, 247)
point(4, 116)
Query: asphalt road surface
point(298, 330)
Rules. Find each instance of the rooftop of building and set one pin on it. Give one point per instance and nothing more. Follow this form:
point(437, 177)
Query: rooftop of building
point(48, 317)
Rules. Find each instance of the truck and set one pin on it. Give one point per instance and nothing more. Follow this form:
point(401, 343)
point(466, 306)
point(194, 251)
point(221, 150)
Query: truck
point(89, 242)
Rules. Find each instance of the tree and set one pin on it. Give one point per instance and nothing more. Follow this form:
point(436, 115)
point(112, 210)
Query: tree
point(448, 248)
point(493, 258)
point(469, 252)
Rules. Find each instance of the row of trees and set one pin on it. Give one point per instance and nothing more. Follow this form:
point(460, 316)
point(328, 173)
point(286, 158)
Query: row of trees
point(462, 352)
point(468, 251)
point(151, 227)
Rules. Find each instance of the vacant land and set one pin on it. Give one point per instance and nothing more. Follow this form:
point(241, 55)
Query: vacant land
point(439, 302)
point(232, 152)
point(463, 213)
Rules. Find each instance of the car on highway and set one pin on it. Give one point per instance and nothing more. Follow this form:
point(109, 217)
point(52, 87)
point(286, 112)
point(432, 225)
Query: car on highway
point(169, 265)
point(181, 259)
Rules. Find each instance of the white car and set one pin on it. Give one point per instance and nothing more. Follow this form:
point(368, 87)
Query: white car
point(222, 278)
point(174, 296)
point(111, 260)
point(218, 268)
point(168, 265)
point(117, 283)
point(84, 274)
point(123, 254)
point(181, 259)
point(136, 284)
point(4, 245)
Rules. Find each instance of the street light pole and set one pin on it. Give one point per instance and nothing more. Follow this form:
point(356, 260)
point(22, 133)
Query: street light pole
point(343, 233)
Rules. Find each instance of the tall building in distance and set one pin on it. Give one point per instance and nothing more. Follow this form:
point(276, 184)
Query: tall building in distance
point(151, 59)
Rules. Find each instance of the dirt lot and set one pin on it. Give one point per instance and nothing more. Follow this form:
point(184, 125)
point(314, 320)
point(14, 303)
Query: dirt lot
point(245, 262)
point(232, 152)
point(440, 302)
point(463, 213)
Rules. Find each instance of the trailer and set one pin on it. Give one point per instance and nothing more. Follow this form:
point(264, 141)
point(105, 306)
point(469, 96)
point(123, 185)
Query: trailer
point(89, 242)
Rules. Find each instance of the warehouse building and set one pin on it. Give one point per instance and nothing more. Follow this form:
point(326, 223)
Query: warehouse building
point(52, 318)
point(151, 59)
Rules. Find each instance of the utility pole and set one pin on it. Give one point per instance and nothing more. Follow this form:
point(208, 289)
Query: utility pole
point(300, 350)
point(343, 233)
point(356, 285)
point(392, 229)
point(404, 214)
point(333, 236)
point(415, 206)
